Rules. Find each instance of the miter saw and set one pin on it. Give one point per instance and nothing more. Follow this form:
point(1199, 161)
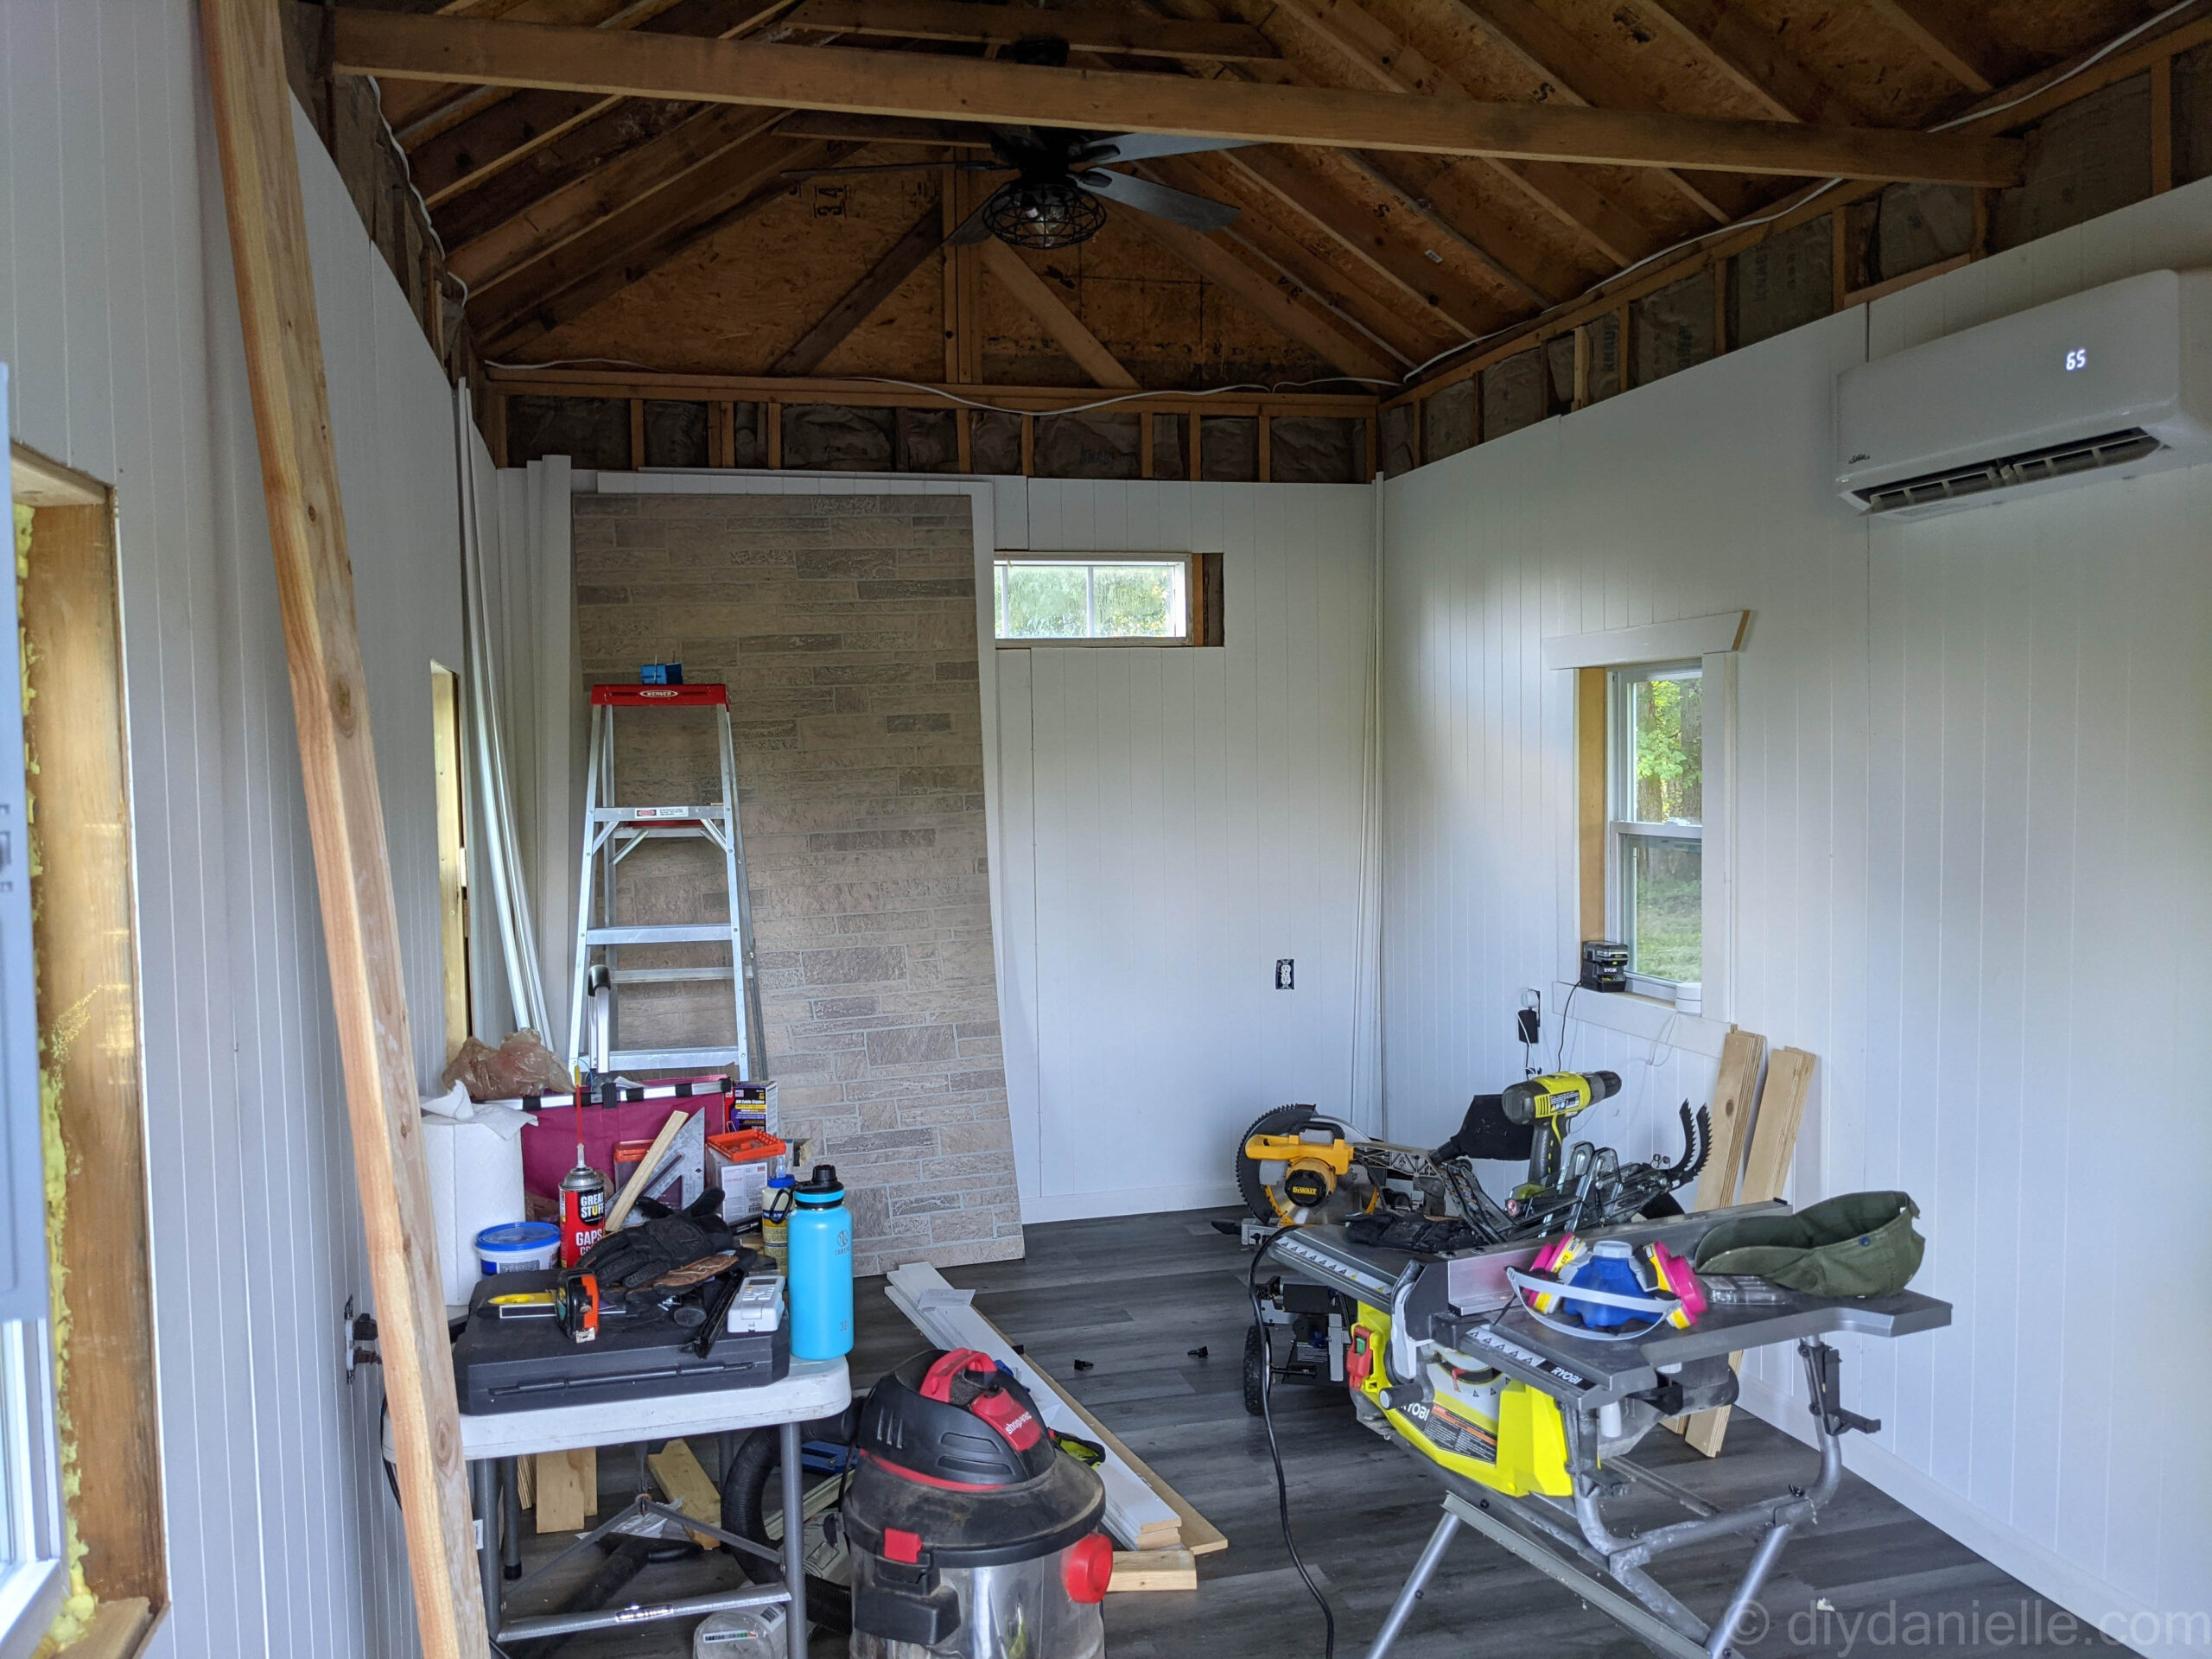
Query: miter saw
point(1296, 1166)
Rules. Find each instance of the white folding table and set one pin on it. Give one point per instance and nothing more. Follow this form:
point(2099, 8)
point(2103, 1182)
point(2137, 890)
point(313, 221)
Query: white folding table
point(815, 1389)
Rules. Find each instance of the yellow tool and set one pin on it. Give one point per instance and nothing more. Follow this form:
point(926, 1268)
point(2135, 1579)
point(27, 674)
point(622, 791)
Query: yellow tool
point(1313, 1168)
point(1469, 1419)
point(1550, 1102)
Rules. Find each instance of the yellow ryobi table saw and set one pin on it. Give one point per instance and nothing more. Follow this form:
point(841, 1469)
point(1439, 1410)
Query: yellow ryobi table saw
point(1528, 1425)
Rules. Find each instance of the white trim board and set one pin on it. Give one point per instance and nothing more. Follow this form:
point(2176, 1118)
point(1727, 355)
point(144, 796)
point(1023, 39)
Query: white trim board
point(947, 1317)
point(2077, 1589)
point(1655, 642)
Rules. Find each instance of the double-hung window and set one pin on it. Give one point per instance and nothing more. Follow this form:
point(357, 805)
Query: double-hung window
point(1655, 854)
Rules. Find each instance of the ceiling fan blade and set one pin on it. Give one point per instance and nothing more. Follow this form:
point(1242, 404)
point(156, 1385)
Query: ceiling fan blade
point(1149, 146)
point(1178, 206)
point(892, 166)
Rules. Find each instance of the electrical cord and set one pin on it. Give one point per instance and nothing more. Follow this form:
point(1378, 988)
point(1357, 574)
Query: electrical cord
point(1274, 1455)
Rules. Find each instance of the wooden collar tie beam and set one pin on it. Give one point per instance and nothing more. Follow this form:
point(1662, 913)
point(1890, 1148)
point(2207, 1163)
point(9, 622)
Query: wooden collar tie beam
point(397, 45)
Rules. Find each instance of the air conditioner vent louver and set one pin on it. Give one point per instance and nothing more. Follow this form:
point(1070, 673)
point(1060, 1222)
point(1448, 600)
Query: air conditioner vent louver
point(2009, 471)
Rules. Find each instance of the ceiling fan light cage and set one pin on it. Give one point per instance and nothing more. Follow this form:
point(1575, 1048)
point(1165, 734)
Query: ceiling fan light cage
point(1055, 214)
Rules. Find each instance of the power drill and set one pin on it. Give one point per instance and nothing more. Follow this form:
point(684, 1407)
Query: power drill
point(1548, 1102)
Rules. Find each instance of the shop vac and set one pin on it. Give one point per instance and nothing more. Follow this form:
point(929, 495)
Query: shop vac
point(973, 1537)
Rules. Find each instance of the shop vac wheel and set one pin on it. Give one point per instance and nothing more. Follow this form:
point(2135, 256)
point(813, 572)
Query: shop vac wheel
point(751, 1488)
point(1257, 1357)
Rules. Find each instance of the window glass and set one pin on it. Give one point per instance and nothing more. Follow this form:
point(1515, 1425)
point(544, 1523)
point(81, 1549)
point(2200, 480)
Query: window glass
point(1658, 768)
point(1119, 598)
point(1665, 903)
point(1667, 753)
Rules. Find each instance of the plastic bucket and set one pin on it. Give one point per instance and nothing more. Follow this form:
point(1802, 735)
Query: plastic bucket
point(517, 1247)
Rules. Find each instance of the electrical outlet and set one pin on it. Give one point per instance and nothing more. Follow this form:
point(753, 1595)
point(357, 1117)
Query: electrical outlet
point(1286, 974)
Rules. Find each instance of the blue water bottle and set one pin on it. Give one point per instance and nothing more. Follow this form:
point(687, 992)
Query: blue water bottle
point(821, 1268)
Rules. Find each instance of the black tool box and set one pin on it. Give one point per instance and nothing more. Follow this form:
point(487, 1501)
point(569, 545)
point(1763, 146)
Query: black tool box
point(525, 1365)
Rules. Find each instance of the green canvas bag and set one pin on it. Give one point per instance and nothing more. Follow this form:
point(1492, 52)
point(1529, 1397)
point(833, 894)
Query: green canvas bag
point(1860, 1244)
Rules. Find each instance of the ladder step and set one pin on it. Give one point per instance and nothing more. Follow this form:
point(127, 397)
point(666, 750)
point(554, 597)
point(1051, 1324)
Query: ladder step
point(669, 1059)
point(667, 976)
point(675, 933)
point(714, 810)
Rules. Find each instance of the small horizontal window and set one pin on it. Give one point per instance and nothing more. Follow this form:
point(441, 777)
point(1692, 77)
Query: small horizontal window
point(1113, 599)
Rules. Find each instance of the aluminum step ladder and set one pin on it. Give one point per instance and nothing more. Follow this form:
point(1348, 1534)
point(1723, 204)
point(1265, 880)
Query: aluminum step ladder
point(612, 833)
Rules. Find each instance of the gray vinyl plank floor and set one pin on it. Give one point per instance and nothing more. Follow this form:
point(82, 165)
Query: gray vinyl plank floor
point(1132, 1297)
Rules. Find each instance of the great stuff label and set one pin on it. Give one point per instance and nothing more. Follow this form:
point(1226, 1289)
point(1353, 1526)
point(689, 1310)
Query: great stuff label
point(583, 1213)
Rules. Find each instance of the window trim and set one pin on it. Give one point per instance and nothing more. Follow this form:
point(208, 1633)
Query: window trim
point(1194, 630)
point(1587, 862)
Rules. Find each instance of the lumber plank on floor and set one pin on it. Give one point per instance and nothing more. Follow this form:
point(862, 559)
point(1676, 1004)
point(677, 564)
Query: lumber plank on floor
point(688, 1487)
point(568, 1489)
point(1153, 1569)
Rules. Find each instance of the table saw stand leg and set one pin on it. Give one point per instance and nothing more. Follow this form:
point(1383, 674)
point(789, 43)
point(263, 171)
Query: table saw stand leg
point(1447, 1528)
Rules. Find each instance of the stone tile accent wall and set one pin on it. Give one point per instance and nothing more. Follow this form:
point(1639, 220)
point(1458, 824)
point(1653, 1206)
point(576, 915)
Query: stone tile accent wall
point(845, 627)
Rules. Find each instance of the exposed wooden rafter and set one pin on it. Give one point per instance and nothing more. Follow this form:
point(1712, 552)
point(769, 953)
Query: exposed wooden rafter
point(1757, 64)
point(1947, 39)
point(424, 110)
point(1444, 223)
point(886, 129)
point(1068, 332)
point(572, 157)
point(906, 257)
point(1415, 279)
point(629, 184)
point(1325, 337)
point(639, 64)
point(1285, 248)
point(1449, 217)
point(472, 151)
point(1564, 69)
point(629, 246)
point(1564, 193)
point(1004, 25)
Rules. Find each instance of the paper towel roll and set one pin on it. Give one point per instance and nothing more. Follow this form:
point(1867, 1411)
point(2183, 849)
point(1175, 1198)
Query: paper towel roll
point(475, 1183)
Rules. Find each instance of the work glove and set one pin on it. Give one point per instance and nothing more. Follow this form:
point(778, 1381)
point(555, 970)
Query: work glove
point(668, 1239)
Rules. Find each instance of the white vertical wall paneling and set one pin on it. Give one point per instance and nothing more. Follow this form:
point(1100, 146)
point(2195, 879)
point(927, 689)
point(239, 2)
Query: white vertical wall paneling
point(1195, 815)
point(1972, 773)
point(117, 317)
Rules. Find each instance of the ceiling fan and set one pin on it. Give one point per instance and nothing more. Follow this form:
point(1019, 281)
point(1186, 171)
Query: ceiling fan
point(1061, 183)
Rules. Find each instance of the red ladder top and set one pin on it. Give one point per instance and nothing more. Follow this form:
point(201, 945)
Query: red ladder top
point(660, 697)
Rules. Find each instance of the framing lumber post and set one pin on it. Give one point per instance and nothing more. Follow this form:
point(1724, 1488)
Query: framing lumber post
point(1774, 1144)
point(314, 581)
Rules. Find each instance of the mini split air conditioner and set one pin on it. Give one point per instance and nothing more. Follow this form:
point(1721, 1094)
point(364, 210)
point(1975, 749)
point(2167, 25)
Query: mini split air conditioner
point(2113, 383)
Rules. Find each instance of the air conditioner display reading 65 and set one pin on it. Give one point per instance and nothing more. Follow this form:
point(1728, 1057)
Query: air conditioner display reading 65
point(2077, 359)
